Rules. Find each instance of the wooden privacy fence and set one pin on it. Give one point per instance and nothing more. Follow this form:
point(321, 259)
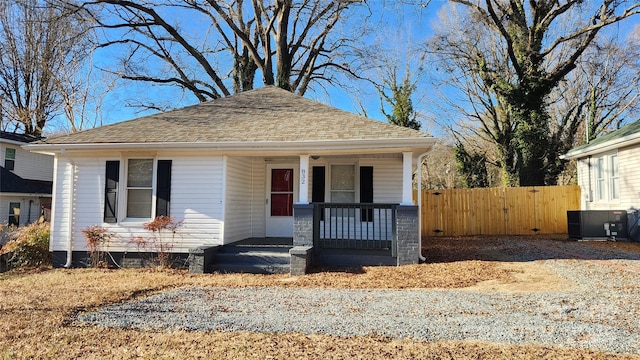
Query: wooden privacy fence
point(498, 211)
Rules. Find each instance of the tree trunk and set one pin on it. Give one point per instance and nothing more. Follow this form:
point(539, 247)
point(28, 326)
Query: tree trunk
point(283, 61)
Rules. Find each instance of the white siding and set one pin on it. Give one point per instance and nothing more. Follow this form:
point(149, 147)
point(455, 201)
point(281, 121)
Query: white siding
point(29, 165)
point(387, 180)
point(629, 167)
point(629, 175)
point(238, 199)
point(258, 196)
point(197, 184)
point(63, 176)
point(196, 199)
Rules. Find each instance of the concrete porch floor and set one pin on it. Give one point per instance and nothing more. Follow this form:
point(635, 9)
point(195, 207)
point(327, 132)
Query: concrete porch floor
point(264, 242)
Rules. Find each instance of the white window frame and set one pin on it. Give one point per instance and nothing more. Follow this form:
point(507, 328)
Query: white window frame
point(124, 175)
point(614, 177)
point(356, 185)
point(355, 181)
point(606, 176)
point(6, 157)
point(14, 215)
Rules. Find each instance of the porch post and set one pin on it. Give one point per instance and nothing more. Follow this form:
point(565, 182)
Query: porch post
point(303, 182)
point(407, 189)
point(408, 239)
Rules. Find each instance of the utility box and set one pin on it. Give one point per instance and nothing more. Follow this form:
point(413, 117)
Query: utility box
point(597, 224)
point(616, 230)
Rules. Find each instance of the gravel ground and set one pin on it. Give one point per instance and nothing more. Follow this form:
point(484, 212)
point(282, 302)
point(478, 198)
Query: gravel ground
point(601, 313)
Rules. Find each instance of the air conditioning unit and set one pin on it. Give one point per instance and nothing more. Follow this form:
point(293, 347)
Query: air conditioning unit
point(597, 224)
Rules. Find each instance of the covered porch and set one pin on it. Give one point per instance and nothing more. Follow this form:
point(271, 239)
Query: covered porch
point(332, 209)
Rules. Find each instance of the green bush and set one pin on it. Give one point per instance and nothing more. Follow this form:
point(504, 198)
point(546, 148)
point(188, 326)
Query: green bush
point(28, 245)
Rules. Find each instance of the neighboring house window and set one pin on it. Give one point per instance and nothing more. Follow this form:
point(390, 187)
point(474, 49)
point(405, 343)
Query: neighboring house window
point(600, 179)
point(607, 178)
point(9, 158)
point(14, 213)
point(138, 189)
point(614, 182)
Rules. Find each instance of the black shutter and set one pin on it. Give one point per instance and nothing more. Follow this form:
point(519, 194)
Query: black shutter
point(163, 187)
point(112, 177)
point(366, 191)
point(317, 187)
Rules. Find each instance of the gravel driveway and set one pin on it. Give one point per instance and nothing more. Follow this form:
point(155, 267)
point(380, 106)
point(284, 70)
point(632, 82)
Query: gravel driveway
point(601, 313)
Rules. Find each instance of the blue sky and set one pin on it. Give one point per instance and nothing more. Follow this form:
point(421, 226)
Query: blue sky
point(406, 23)
point(399, 26)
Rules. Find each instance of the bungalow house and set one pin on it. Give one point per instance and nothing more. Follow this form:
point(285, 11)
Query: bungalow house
point(25, 180)
point(609, 175)
point(264, 165)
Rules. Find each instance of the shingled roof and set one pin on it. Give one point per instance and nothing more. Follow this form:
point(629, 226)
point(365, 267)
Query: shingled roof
point(12, 183)
point(268, 114)
point(23, 138)
point(625, 136)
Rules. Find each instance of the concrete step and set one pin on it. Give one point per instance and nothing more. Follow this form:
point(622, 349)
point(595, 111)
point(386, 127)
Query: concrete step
point(354, 258)
point(252, 259)
point(258, 257)
point(249, 268)
point(241, 250)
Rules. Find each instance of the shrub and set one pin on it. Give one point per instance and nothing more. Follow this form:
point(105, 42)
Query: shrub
point(28, 245)
point(97, 239)
point(5, 230)
point(162, 240)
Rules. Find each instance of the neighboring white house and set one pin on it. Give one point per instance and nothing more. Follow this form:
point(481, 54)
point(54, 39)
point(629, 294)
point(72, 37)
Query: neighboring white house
point(25, 180)
point(230, 169)
point(609, 171)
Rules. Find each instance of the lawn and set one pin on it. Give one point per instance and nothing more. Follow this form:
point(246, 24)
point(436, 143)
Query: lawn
point(37, 308)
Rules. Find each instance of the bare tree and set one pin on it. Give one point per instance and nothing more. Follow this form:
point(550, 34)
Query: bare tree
point(39, 42)
point(82, 89)
point(599, 95)
point(211, 49)
point(513, 59)
point(480, 117)
point(439, 169)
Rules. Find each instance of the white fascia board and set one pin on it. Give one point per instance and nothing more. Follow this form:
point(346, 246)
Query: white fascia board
point(610, 145)
point(26, 194)
point(13, 142)
point(307, 147)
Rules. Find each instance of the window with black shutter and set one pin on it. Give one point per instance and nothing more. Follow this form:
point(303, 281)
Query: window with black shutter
point(366, 191)
point(163, 187)
point(318, 186)
point(112, 177)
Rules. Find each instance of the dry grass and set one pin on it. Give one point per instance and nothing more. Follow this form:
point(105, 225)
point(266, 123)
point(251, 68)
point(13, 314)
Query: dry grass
point(36, 307)
point(626, 246)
